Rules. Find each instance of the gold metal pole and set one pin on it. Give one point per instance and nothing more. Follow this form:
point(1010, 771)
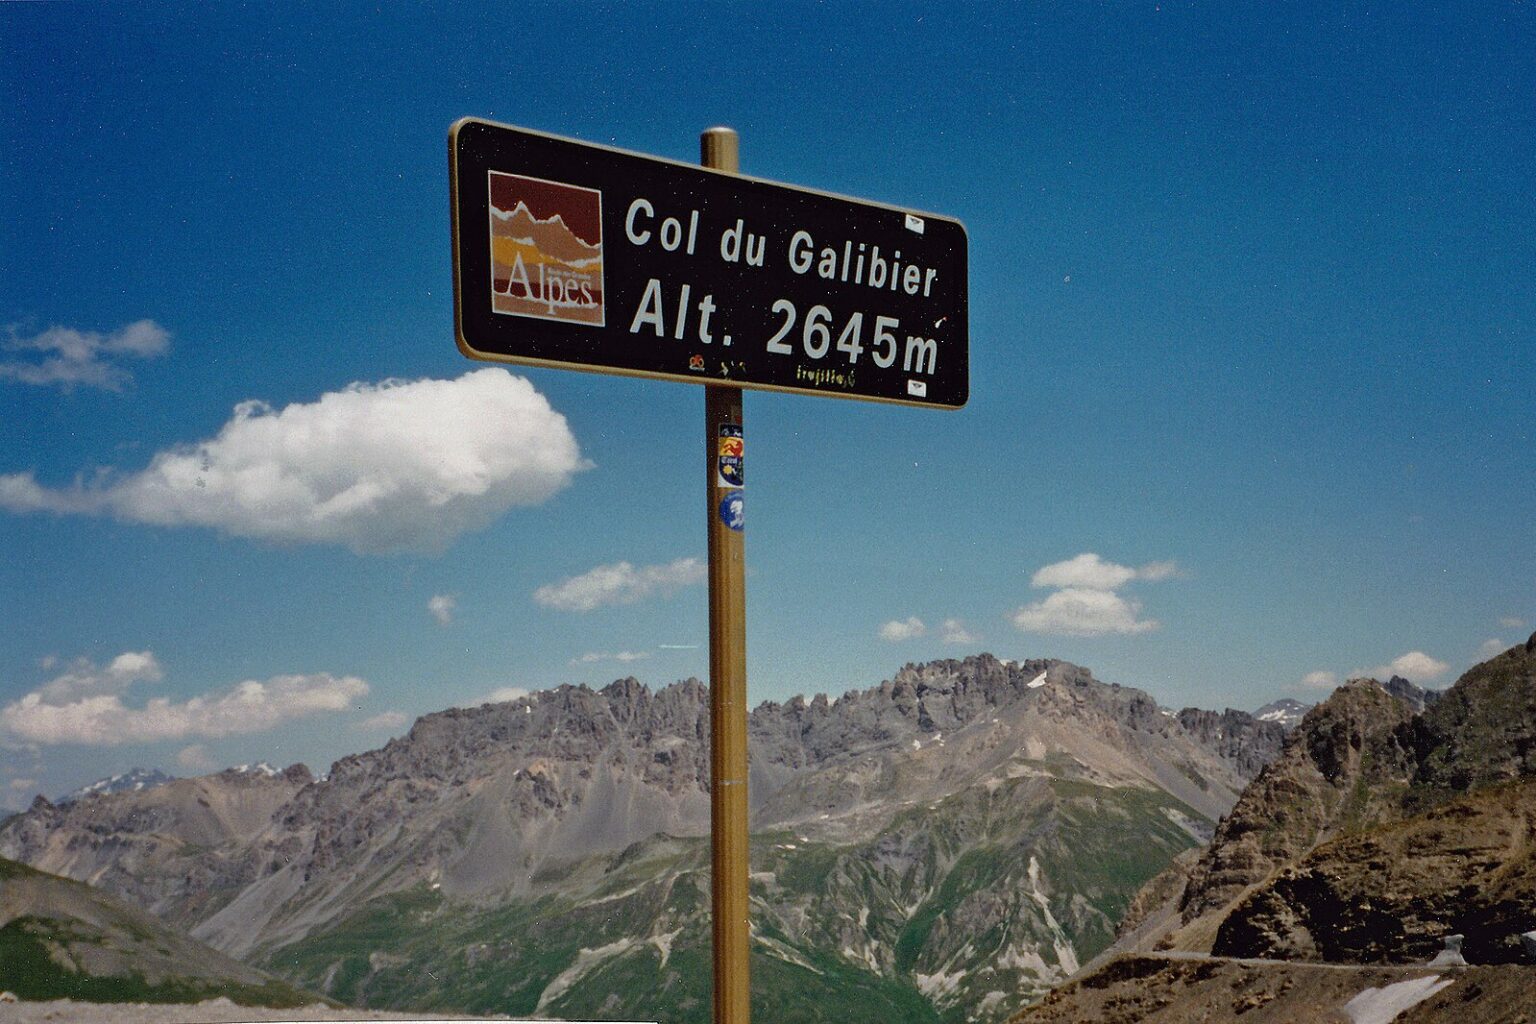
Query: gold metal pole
point(724, 442)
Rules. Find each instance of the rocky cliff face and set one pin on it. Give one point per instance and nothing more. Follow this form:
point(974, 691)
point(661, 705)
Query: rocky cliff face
point(1340, 765)
point(1417, 696)
point(1461, 864)
point(1367, 757)
point(1391, 895)
point(1484, 729)
point(1246, 740)
point(962, 832)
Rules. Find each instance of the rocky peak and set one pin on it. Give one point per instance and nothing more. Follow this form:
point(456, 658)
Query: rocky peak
point(1483, 729)
point(132, 780)
point(1238, 736)
point(1357, 721)
point(1367, 757)
point(1335, 769)
point(1285, 711)
point(1402, 689)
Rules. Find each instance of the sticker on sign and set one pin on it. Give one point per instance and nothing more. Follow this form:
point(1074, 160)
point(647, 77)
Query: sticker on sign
point(580, 256)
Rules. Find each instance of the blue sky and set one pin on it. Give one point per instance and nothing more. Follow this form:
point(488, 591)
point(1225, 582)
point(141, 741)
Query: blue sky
point(1252, 335)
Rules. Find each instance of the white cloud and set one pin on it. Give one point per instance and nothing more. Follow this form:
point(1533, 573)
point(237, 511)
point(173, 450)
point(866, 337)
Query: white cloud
point(1085, 570)
point(385, 721)
point(1510, 622)
point(196, 758)
point(619, 583)
point(1085, 602)
point(374, 467)
point(897, 630)
point(23, 785)
point(1491, 648)
point(592, 657)
point(1415, 666)
point(441, 606)
point(70, 358)
point(84, 679)
point(73, 713)
point(1320, 680)
point(1080, 611)
point(953, 631)
point(1089, 571)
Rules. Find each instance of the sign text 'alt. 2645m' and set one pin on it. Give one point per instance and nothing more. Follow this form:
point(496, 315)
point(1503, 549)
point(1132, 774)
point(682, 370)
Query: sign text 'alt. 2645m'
point(573, 255)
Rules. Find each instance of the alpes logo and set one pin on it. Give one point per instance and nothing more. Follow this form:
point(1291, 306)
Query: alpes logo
point(546, 249)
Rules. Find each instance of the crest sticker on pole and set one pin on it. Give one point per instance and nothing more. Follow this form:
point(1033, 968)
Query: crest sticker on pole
point(581, 256)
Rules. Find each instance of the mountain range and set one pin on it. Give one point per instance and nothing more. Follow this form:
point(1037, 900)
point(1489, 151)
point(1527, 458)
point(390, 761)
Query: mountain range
point(944, 846)
point(550, 237)
point(950, 845)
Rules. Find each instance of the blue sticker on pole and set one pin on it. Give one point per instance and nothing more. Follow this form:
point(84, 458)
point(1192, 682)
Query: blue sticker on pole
point(733, 512)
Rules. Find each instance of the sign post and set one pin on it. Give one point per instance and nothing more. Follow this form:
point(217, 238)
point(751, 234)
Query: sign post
point(584, 257)
point(725, 450)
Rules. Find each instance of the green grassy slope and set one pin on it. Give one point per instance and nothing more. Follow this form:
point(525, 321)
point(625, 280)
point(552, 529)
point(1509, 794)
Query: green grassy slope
point(955, 910)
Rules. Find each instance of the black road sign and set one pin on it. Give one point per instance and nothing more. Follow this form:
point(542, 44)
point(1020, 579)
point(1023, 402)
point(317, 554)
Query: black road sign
point(580, 256)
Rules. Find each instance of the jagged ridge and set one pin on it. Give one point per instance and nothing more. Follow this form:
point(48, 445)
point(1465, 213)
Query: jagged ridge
point(956, 800)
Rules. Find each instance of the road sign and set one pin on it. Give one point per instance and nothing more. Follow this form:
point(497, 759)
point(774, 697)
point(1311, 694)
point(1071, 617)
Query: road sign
point(580, 256)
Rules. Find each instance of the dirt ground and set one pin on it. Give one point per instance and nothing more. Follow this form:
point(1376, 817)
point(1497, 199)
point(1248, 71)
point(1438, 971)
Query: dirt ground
point(1175, 989)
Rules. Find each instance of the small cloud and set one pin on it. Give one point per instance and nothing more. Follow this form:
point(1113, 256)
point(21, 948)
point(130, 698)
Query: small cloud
point(953, 631)
point(1510, 622)
point(387, 721)
point(1091, 572)
point(84, 679)
point(1415, 666)
point(395, 466)
point(677, 647)
point(619, 583)
point(1156, 572)
point(896, 631)
point(23, 785)
point(196, 758)
point(1080, 611)
point(1320, 680)
point(69, 358)
point(441, 606)
point(1491, 648)
point(592, 657)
